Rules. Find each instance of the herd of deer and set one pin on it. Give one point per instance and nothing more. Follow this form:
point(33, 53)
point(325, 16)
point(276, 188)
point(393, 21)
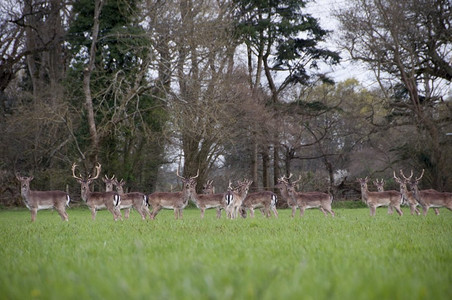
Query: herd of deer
point(235, 201)
point(394, 199)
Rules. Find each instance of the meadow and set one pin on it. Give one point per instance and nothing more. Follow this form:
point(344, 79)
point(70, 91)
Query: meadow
point(351, 256)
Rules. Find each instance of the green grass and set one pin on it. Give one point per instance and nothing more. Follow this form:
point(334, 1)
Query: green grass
point(352, 256)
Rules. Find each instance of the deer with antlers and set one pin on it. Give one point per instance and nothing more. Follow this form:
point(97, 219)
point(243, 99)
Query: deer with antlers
point(376, 199)
point(429, 198)
point(306, 200)
point(37, 200)
point(137, 200)
point(208, 199)
point(97, 200)
point(282, 187)
point(176, 201)
point(265, 200)
point(236, 196)
point(408, 197)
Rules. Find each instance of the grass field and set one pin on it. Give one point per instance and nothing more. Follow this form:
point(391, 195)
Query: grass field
point(351, 256)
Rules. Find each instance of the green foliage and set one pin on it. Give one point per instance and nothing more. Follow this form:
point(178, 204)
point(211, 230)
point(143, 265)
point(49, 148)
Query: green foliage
point(351, 256)
point(295, 35)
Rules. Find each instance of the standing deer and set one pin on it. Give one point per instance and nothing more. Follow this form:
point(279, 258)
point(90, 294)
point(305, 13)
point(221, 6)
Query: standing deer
point(408, 197)
point(98, 200)
point(109, 183)
point(37, 200)
point(176, 201)
point(137, 200)
point(379, 185)
point(305, 200)
point(380, 188)
point(282, 186)
point(429, 198)
point(237, 196)
point(265, 199)
point(377, 199)
point(208, 199)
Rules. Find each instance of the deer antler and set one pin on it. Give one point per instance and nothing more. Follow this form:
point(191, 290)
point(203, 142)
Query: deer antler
point(98, 168)
point(299, 179)
point(73, 172)
point(422, 174)
point(197, 174)
point(406, 178)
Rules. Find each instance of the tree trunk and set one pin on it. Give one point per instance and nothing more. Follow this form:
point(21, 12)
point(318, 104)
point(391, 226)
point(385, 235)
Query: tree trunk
point(87, 82)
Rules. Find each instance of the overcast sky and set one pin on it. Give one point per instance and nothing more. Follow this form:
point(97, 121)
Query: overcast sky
point(322, 10)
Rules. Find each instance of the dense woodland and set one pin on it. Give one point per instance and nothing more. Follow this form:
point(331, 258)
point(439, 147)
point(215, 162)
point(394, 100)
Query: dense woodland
point(232, 88)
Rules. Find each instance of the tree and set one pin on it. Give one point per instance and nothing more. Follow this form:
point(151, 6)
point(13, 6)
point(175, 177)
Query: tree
point(408, 44)
point(280, 39)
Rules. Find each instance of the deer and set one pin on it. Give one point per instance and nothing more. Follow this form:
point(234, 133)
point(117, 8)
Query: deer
point(376, 199)
point(305, 200)
point(208, 199)
point(98, 200)
point(408, 197)
point(236, 197)
point(429, 198)
point(282, 186)
point(37, 200)
point(264, 199)
point(137, 200)
point(109, 183)
point(176, 201)
point(379, 185)
point(380, 188)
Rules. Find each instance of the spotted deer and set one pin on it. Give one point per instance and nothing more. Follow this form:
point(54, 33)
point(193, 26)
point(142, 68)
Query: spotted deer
point(37, 200)
point(429, 198)
point(408, 196)
point(265, 199)
point(137, 200)
point(208, 199)
point(237, 195)
point(98, 200)
point(376, 199)
point(176, 201)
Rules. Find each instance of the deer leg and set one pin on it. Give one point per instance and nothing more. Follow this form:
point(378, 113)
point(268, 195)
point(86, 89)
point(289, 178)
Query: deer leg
point(302, 208)
point(425, 210)
point(372, 210)
point(127, 213)
point(93, 213)
point(324, 212)
point(218, 212)
point(390, 211)
point(62, 213)
point(436, 210)
point(398, 210)
point(34, 212)
point(275, 212)
point(251, 212)
point(202, 212)
point(328, 209)
point(294, 209)
point(154, 212)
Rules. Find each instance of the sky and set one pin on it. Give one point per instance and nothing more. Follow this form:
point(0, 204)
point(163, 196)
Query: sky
point(322, 10)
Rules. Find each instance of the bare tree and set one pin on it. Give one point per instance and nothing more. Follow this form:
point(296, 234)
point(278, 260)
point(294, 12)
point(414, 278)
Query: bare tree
point(407, 43)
